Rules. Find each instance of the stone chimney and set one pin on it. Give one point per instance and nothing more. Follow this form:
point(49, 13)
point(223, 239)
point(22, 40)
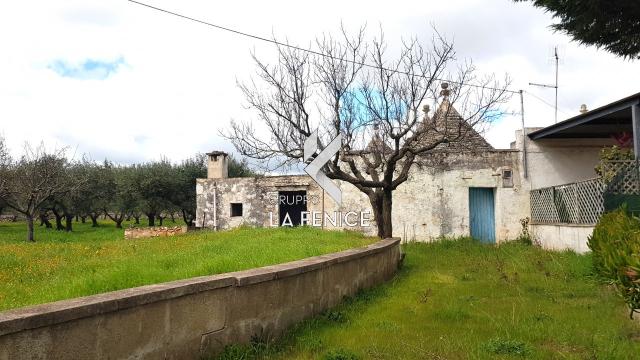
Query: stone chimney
point(583, 108)
point(217, 165)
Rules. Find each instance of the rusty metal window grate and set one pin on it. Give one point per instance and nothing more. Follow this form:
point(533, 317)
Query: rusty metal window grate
point(575, 203)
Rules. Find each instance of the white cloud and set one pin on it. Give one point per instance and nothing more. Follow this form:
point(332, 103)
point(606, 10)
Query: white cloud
point(177, 87)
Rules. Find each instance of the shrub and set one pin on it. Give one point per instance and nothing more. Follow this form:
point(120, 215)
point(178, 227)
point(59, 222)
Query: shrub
point(500, 346)
point(235, 352)
point(615, 243)
point(613, 153)
point(336, 316)
point(340, 354)
point(525, 236)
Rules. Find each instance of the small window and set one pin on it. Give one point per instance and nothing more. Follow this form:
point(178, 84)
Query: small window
point(507, 178)
point(236, 209)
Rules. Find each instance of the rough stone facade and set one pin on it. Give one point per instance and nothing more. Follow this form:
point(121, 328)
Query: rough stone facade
point(432, 203)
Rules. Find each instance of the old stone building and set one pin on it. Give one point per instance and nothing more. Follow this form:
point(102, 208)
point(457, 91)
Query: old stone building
point(469, 188)
point(434, 202)
point(452, 188)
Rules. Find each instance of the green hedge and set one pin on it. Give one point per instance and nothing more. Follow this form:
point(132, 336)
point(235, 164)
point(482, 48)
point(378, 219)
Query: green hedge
point(615, 243)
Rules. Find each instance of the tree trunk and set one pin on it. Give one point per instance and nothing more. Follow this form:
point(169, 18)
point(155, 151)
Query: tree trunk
point(187, 220)
point(68, 223)
point(44, 220)
point(116, 217)
point(173, 217)
point(137, 218)
point(161, 219)
point(387, 206)
point(83, 219)
point(94, 219)
point(382, 203)
point(30, 228)
point(152, 219)
point(58, 220)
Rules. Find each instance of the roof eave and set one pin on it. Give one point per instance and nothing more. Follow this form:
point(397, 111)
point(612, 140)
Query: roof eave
point(586, 117)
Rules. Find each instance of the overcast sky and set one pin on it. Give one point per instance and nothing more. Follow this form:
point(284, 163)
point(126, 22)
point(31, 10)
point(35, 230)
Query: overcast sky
point(116, 80)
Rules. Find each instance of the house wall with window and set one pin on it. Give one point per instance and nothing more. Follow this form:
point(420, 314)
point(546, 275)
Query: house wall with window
point(433, 203)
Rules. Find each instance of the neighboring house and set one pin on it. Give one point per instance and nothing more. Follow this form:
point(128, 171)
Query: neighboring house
point(567, 198)
point(459, 190)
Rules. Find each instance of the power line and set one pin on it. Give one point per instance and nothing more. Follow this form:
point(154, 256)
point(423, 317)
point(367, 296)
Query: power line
point(545, 102)
point(242, 33)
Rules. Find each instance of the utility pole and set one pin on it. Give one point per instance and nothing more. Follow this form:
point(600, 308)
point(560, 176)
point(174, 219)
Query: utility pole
point(557, 59)
point(524, 136)
point(555, 54)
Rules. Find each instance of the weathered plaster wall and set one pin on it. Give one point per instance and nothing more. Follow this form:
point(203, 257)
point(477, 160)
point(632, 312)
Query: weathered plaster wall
point(259, 197)
point(562, 236)
point(561, 161)
point(193, 318)
point(434, 202)
point(555, 162)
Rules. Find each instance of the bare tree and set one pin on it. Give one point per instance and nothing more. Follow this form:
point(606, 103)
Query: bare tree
point(33, 179)
point(378, 103)
point(5, 161)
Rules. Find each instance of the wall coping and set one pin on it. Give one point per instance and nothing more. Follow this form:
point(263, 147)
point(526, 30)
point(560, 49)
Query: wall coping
point(36, 316)
point(564, 225)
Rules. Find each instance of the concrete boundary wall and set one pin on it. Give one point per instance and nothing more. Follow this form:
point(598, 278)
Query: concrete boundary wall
point(563, 236)
point(194, 318)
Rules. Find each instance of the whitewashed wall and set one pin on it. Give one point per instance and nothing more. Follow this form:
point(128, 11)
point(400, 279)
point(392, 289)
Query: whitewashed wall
point(561, 161)
point(434, 202)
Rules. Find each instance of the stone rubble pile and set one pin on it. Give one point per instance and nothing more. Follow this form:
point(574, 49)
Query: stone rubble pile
point(159, 231)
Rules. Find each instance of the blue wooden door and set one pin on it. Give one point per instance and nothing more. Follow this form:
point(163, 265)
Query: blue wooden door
point(482, 214)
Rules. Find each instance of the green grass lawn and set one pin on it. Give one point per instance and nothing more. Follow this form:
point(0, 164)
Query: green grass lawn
point(90, 260)
point(464, 300)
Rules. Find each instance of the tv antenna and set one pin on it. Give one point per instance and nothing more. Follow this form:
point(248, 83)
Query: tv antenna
point(555, 55)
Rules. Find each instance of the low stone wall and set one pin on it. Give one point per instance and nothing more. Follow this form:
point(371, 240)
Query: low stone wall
point(194, 318)
point(562, 236)
point(8, 218)
point(159, 231)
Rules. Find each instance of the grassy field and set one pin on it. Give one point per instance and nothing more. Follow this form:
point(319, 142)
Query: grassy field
point(90, 260)
point(464, 300)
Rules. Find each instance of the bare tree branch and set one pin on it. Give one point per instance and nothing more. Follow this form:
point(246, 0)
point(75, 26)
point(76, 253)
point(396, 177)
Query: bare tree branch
point(378, 100)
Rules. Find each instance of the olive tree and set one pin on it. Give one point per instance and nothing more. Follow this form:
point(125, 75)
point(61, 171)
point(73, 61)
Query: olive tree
point(33, 179)
point(154, 183)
